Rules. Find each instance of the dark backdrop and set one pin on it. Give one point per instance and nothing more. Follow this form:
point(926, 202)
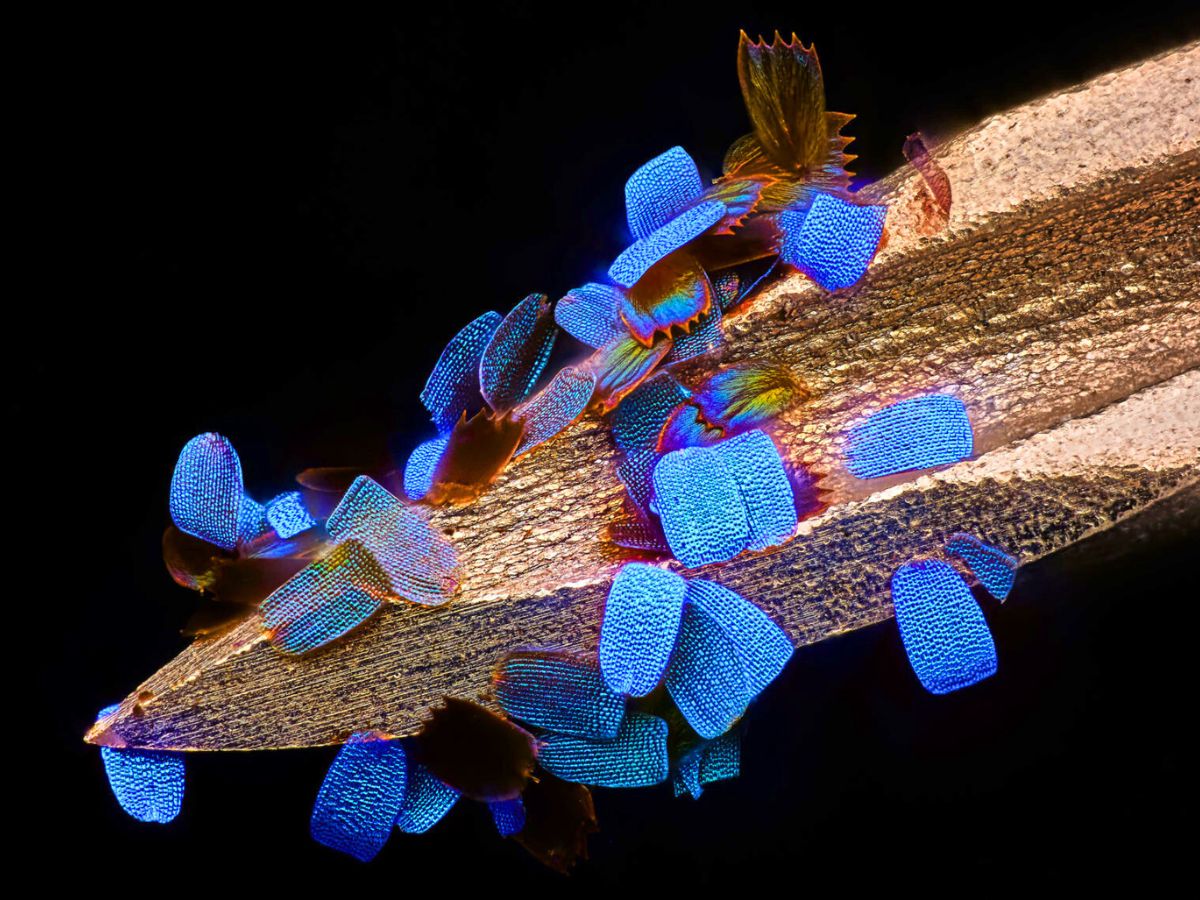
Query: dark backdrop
point(269, 227)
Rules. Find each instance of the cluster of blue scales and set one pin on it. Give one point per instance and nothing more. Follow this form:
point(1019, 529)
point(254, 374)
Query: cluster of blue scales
point(712, 649)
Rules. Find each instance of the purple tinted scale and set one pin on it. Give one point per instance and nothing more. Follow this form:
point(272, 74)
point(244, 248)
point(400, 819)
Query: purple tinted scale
point(149, 784)
point(636, 757)
point(660, 190)
point(288, 515)
point(639, 532)
point(701, 507)
point(945, 635)
point(641, 621)
point(558, 694)
point(361, 796)
point(517, 353)
point(589, 313)
point(427, 799)
point(995, 569)
point(206, 490)
point(705, 678)
point(508, 816)
point(453, 385)
point(421, 466)
point(917, 433)
point(754, 462)
point(555, 407)
point(833, 241)
point(763, 647)
point(638, 257)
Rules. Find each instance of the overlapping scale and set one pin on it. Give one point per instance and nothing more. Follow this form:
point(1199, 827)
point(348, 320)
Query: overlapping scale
point(641, 622)
point(325, 600)
point(747, 396)
point(452, 389)
point(945, 634)
point(517, 353)
point(711, 761)
point(559, 693)
point(635, 471)
point(833, 242)
point(660, 190)
point(623, 364)
point(148, 784)
point(206, 490)
point(636, 757)
point(754, 462)
point(361, 796)
point(762, 646)
point(673, 294)
point(705, 336)
point(427, 799)
point(508, 816)
point(637, 421)
point(555, 407)
point(421, 465)
point(590, 313)
point(419, 562)
point(638, 257)
point(995, 569)
point(705, 677)
point(288, 515)
point(700, 506)
point(917, 433)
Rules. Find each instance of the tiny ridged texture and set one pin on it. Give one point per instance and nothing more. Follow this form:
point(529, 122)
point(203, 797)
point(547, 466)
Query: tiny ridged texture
point(636, 757)
point(635, 471)
point(324, 600)
point(589, 313)
point(917, 433)
point(641, 622)
point(517, 353)
point(727, 286)
point(206, 490)
point(832, 242)
point(555, 407)
point(636, 423)
point(427, 799)
point(705, 678)
point(638, 257)
point(701, 507)
point(453, 385)
point(995, 569)
point(508, 816)
point(421, 466)
point(252, 520)
point(148, 784)
point(717, 760)
point(420, 564)
point(945, 635)
point(558, 693)
point(704, 337)
point(754, 462)
point(288, 515)
point(361, 796)
point(660, 190)
point(763, 647)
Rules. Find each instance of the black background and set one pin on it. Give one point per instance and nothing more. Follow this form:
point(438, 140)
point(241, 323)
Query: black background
point(270, 226)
